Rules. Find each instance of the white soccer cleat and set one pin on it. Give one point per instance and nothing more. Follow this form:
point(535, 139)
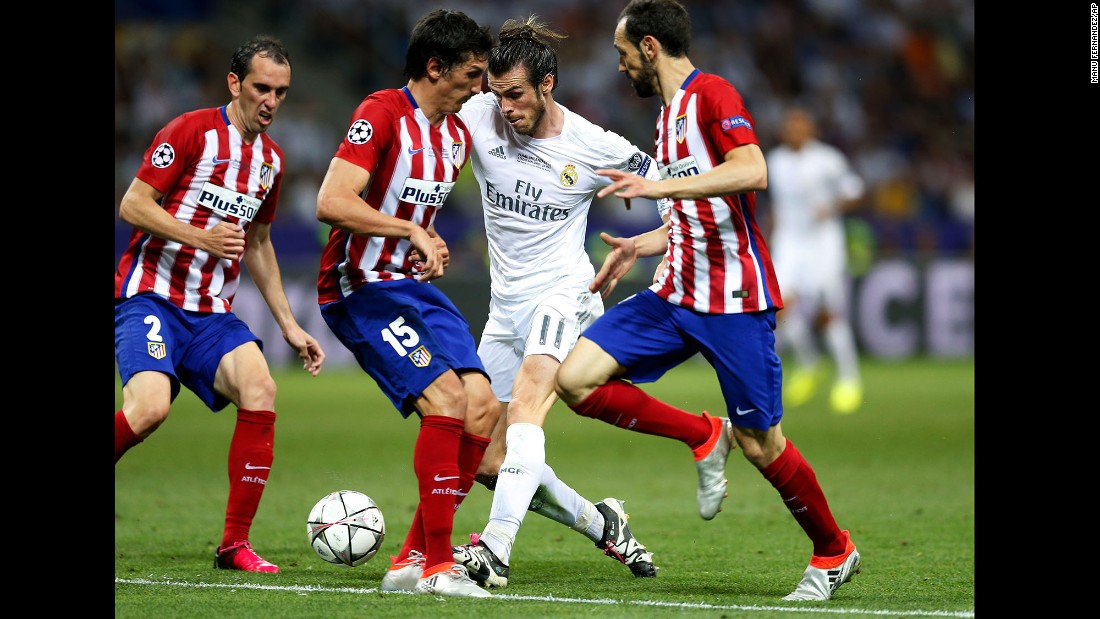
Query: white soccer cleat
point(449, 579)
point(403, 575)
point(825, 574)
point(712, 467)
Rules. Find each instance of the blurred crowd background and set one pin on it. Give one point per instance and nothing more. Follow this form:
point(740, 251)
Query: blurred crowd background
point(891, 81)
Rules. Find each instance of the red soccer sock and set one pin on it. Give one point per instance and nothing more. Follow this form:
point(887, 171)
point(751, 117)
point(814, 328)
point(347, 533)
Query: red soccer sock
point(622, 404)
point(435, 460)
point(797, 484)
point(415, 538)
point(251, 452)
point(470, 452)
point(124, 435)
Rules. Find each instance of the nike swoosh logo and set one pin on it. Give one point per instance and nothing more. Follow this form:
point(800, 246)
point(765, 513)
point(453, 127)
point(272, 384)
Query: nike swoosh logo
point(216, 161)
point(746, 412)
point(248, 466)
point(413, 151)
point(438, 478)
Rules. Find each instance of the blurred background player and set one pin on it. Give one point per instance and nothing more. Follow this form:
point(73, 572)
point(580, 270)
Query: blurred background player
point(201, 203)
point(536, 220)
point(811, 186)
point(717, 297)
point(390, 176)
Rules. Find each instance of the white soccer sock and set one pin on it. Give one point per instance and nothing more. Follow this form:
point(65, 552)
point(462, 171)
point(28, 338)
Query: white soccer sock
point(516, 483)
point(561, 503)
point(842, 344)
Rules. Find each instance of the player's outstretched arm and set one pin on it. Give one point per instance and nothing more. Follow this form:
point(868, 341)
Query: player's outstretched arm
point(624, 253)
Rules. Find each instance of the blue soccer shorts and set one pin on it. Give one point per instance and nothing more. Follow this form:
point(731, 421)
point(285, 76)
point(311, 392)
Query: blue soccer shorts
point(152, 334)
point(405, 334)
point(649, 336)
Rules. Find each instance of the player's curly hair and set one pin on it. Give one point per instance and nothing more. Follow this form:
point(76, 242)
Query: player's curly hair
point(266, 46)
point(526, 43)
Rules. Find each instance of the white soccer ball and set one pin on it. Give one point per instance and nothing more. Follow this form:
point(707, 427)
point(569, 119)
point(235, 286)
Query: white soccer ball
point(346, 528)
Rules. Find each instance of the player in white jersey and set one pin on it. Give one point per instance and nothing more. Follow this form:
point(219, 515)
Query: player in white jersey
point(388, 180)
point(535, 162)
point(717, 297)
point(812, 185)
point(202, 203)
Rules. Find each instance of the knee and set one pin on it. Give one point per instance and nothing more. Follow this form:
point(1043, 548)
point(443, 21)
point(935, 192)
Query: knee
point(145, 418)
point(259, 394)
point(754, 453)
point(482, 412)
point(568, 385)
point(759, 448)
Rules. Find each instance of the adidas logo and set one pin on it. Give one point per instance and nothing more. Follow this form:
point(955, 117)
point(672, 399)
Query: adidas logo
point(498, 152)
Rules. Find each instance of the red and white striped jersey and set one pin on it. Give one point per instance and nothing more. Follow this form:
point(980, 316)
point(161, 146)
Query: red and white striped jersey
point(207, 175)
point(413, 166)
point(718, 259)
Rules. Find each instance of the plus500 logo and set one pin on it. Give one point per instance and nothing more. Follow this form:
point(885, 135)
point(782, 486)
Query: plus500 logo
point(430, 193)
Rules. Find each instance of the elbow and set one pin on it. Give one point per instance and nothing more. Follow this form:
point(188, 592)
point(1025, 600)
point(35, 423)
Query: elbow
point(326, 213)
point(760, 181)
point(125, 211)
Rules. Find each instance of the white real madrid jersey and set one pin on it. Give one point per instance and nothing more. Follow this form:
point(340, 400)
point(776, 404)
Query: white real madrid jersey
point(536, 194)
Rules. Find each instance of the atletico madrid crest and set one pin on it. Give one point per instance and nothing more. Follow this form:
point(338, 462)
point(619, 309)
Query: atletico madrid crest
point(265, 175)
point(157, 350)
point(420, 357)
point(681, 128)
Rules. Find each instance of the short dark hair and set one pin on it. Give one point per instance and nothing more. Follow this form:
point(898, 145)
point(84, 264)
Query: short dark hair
point(526, 43)
point(451, 36)
point(665, 20)
point(263, 45)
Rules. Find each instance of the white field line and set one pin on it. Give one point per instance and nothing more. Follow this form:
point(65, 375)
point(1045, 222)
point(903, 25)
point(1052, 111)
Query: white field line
point(304, 589)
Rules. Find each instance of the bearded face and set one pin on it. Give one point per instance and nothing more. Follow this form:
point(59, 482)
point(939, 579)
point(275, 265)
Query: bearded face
point(643, 77)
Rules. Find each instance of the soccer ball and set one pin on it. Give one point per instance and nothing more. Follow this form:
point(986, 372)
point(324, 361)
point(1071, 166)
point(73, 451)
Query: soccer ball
point(346, 528)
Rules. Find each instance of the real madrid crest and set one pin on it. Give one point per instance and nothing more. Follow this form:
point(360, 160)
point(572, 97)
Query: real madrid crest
point(569, 175)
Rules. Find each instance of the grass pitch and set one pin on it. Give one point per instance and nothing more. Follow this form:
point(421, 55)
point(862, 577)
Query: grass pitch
point(899, 474)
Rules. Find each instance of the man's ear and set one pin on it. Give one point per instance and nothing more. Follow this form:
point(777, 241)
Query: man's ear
point(435, 68)
point(234, 83)
point(650, 47)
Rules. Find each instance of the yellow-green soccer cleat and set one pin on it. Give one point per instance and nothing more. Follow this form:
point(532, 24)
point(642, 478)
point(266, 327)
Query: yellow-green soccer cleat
point(800, 387)
point(846, 397)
